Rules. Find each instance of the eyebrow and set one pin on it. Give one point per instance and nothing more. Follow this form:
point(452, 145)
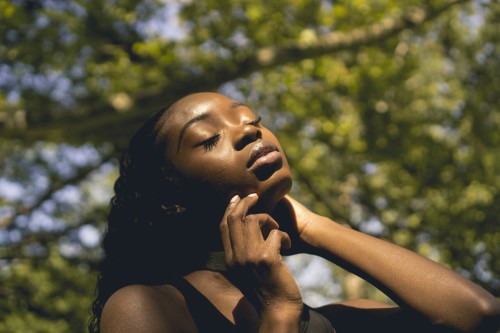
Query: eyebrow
point(203, 116)
point(186, 125)
point(235, 105)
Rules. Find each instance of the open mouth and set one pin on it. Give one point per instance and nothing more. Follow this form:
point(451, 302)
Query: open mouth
point(264, 158)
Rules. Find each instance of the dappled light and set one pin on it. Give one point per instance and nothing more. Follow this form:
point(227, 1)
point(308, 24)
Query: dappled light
point(388, 113)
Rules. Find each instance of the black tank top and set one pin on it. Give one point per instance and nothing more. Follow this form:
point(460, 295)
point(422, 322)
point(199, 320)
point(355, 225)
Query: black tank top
point(205, 314)
point(208, 319)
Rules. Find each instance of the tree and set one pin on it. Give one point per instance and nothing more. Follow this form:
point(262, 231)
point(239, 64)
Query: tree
point(387, 111)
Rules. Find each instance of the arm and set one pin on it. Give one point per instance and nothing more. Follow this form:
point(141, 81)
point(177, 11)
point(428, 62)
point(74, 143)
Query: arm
point(416, 283)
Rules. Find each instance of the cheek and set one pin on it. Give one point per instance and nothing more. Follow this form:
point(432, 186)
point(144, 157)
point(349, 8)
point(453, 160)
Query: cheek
point(227, 176)
point(218, 172)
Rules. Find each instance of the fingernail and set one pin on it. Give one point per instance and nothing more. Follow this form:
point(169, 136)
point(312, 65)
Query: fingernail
point(252, 195)
point(233, 199)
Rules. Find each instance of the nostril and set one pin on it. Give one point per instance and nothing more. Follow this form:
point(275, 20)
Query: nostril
point(247, 139)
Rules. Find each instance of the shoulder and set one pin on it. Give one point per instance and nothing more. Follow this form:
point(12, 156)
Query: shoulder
point(140, 308)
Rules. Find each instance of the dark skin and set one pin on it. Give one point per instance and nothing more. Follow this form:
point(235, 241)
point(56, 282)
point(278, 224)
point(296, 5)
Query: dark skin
point(211, 139)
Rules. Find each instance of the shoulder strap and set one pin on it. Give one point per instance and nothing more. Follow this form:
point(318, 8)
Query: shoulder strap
point(204, 313)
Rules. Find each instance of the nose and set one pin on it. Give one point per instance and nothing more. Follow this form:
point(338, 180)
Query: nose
point(246, 135)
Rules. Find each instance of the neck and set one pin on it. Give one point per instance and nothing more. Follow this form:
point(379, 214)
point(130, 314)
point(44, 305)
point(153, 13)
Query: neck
point(216, 261)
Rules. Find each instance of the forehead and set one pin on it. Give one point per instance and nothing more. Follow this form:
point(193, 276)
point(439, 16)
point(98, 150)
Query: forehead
point(190, 107)
point(195, 105)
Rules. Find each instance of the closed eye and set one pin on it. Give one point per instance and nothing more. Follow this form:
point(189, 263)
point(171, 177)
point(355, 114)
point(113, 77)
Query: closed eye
point(210, 143)
point(256, 122)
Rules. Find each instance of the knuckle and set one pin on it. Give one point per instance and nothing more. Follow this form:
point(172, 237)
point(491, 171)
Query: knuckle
point(254, 259)
point(251, 219)
point(239, 261)
point(268, 259)
point(232, 218)
point(275, 233)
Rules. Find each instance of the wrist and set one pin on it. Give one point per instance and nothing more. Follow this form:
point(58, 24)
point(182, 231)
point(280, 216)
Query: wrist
point(314, 230)
point(281, 318)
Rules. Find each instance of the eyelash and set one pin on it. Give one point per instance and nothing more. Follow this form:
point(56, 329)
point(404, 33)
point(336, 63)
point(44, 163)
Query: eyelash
point(211, 142)
point(256, 122)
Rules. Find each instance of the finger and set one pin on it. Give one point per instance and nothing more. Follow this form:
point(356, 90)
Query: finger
point(231, 226)
point(256, 229)
point(278, 240)
point(224, 230)
point(263, 226)
point(241, 207)
point(235, 217)
point(237, 230)
point(252, 232)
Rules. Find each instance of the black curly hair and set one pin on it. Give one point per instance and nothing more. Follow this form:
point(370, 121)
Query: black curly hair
point(143, 242)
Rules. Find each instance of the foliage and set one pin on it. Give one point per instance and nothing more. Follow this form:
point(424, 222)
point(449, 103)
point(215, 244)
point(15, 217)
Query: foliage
point(388, 111)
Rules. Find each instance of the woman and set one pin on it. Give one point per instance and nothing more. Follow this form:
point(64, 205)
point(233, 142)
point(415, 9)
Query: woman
point(204, 184)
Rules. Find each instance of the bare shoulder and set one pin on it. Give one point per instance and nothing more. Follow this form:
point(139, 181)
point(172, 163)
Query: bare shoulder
point(140, 308)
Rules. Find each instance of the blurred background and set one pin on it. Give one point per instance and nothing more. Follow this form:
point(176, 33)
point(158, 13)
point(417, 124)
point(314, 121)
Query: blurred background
point(388, 111)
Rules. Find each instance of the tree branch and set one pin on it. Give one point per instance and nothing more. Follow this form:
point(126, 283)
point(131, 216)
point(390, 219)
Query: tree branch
point(7, 221)
point(339, 41)
point(109, 125)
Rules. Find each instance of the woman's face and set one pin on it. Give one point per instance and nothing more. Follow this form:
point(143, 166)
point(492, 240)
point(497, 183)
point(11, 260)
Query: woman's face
point(222, 146)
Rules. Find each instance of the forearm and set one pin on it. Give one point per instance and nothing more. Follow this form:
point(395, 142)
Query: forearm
point(409, 279)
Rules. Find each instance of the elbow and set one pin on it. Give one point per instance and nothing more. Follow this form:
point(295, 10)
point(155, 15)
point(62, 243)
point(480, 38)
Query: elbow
point(487, 316)
point(476, 315)
point(491, 316)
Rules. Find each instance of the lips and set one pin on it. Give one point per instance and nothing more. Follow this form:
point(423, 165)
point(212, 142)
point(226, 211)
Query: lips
point(263, 153)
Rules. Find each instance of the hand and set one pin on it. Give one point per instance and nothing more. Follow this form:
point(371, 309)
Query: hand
point(252, 244)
